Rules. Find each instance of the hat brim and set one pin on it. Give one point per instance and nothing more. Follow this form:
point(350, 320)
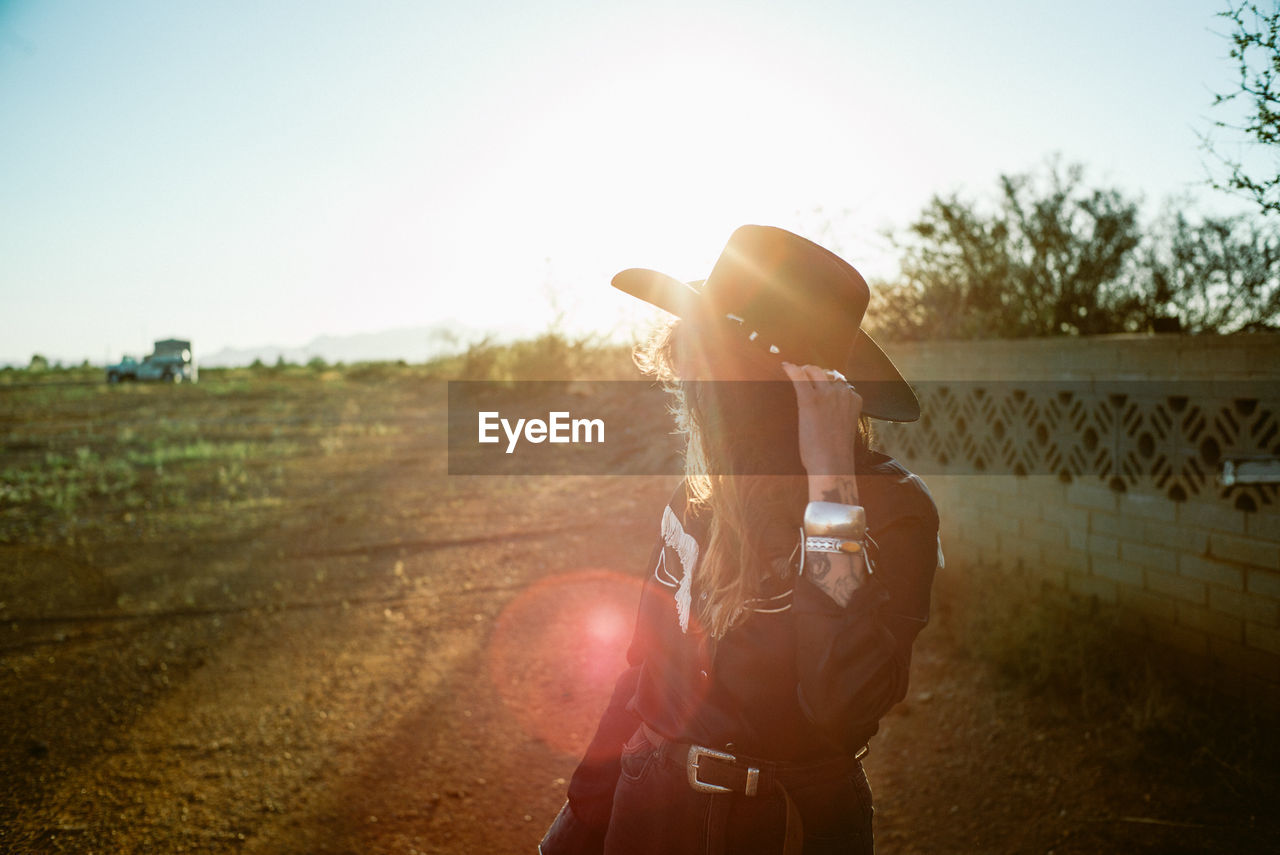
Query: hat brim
point(886, 395)
point(666, 292)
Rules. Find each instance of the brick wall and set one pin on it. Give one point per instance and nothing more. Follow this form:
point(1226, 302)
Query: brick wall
point(1140, 519)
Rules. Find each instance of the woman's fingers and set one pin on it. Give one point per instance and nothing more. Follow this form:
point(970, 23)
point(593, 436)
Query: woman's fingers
point(798, 375)
point(828, 417)
point(814, 385)
point(812, 377)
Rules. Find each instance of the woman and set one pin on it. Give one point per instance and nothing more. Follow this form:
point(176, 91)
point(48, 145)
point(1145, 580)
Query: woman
point(789, 581)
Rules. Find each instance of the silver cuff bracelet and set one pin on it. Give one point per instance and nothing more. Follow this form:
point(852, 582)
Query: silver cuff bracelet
point(832, 544)
point(832, 519)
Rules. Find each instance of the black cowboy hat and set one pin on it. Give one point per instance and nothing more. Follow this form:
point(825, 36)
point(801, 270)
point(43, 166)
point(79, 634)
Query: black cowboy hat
point(793, 298)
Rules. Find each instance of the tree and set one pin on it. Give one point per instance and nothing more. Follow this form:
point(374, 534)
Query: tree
point(1255, 49)
point(1217, 274)
point(1050, 257)
point(1053, 257)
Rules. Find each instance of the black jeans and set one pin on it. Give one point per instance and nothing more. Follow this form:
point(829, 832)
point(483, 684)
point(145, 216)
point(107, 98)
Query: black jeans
point(656, 811)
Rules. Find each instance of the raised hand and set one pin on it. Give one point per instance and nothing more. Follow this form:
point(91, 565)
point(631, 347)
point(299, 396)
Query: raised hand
point(829, 410)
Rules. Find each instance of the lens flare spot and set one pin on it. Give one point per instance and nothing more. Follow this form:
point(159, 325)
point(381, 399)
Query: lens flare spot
point(557, 650)
point(606, 626)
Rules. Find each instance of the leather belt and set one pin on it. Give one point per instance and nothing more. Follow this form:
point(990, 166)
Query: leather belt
point(713, 771)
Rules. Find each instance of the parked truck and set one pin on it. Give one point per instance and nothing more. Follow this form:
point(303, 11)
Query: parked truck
point(170, 362)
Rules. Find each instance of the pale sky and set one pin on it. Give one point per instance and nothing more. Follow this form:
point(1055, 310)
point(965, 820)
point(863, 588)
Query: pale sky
point(259, 173)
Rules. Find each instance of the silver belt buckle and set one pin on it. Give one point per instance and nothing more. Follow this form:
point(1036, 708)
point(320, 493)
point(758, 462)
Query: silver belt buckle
point(697, 752)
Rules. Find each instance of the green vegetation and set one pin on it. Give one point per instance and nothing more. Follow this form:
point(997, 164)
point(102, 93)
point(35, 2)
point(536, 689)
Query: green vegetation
point(56, 495)
point(81, 457)
point(1051, 255)
point(1255, 50)
point(82, 463)
point(39, 370)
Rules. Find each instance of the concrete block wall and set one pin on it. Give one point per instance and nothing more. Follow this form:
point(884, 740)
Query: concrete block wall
point(1198, 577)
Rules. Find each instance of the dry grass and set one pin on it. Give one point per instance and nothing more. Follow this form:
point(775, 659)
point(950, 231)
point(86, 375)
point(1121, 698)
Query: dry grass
point(1080, 654)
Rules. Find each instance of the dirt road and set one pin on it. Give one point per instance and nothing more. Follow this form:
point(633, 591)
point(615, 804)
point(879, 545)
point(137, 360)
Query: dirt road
point(373, 656)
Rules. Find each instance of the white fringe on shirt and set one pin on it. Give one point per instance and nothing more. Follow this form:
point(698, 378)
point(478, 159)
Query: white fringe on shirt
point(674, 536)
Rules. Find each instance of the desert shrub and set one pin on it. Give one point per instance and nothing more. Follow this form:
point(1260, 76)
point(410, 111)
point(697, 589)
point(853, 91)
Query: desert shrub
point(1045, 641)
point(1084, 654)
point(1049, 254)
point(481, 361)
point(367, 372)
point(550, 356)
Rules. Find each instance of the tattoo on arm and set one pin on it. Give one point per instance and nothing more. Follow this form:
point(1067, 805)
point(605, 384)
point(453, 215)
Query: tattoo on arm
point(843, 590)
point(836, 578)
point(842, 493)
point(817, 568)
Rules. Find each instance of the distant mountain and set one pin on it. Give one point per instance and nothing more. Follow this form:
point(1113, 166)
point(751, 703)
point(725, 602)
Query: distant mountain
point(412, 344)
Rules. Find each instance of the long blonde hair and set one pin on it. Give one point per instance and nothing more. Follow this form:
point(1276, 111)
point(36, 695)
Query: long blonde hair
point(742, 464)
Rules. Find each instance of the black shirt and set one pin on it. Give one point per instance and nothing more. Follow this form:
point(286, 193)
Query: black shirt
point(801, 677)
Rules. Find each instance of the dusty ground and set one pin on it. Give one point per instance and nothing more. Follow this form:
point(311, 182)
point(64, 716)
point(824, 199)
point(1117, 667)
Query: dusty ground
point(329, 645)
